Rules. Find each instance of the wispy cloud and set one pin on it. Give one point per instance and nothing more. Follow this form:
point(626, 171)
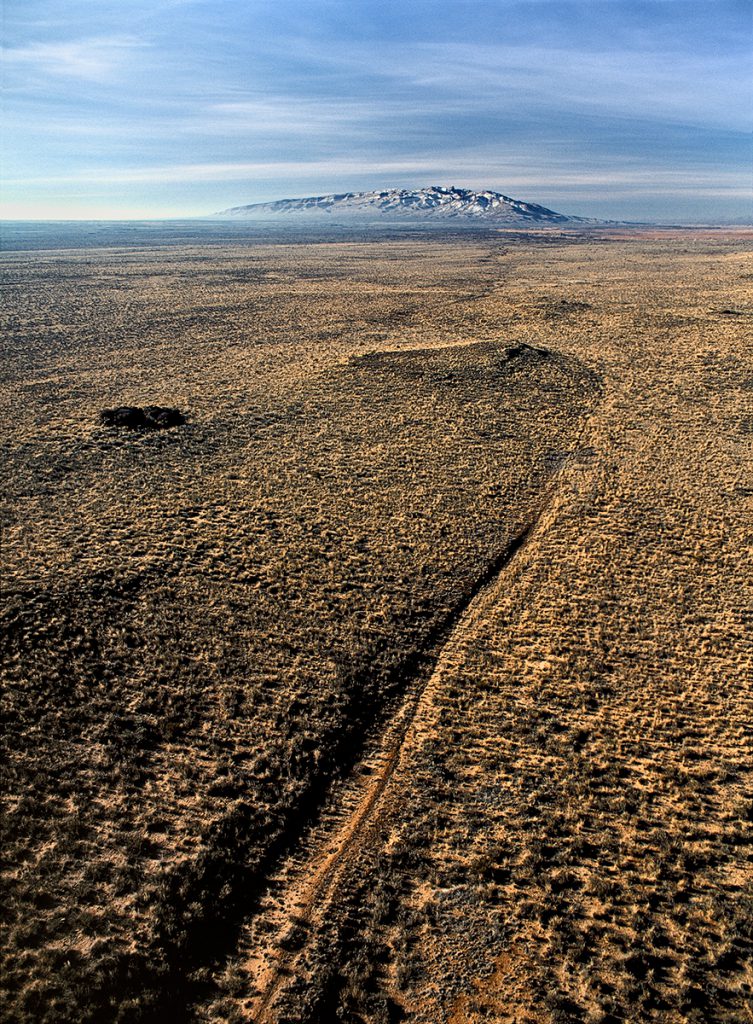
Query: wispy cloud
point(518, 171)
point(289, 115)
point(697, 88)
point(93, 59)
point(657, 82)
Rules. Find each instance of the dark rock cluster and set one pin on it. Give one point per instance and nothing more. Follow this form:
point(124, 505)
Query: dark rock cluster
point(150, 417)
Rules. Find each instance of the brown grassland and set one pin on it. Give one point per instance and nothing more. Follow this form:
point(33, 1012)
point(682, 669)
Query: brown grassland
point(411, 678)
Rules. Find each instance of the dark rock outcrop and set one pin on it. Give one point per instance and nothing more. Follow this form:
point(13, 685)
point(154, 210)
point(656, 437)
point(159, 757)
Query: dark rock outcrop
point(150, 417)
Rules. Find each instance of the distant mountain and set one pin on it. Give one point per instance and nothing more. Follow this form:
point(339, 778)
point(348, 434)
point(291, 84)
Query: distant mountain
point(433, 203)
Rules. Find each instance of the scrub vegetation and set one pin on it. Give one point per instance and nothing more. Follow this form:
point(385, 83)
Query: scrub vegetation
point(403, 670)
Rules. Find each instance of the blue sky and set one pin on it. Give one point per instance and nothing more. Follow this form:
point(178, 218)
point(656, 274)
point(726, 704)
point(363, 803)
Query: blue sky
point(129, 108)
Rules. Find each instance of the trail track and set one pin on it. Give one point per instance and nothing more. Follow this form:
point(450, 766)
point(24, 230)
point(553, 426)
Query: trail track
point(300, 892)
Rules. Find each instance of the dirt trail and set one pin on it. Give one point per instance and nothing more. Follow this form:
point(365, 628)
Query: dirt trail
point(308, 879)
point(300, 892)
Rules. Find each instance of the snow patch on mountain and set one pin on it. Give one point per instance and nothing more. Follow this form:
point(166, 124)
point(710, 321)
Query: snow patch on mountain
point(433, 202)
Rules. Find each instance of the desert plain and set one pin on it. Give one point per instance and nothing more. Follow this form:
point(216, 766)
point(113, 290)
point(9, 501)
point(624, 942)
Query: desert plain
point(411, 678)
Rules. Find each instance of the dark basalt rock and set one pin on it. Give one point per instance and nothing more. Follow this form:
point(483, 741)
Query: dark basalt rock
point(150, 417)
point(526, 350)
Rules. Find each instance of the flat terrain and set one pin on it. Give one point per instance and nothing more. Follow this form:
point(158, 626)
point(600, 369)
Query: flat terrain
point(410, 679)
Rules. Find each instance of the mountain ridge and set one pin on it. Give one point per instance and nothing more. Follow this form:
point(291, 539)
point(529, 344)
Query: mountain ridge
point(433, 202)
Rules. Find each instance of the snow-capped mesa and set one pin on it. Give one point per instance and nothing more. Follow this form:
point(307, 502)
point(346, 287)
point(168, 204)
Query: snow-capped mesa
point(437, 202)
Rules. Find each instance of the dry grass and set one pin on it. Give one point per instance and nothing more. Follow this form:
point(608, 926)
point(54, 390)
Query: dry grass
point(204, 624)
point(568, 836)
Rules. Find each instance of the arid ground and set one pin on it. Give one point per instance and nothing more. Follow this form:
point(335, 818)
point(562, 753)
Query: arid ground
point(411, 678)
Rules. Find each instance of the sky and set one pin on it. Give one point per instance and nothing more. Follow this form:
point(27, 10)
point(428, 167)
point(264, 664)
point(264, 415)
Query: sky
point(178, 108)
